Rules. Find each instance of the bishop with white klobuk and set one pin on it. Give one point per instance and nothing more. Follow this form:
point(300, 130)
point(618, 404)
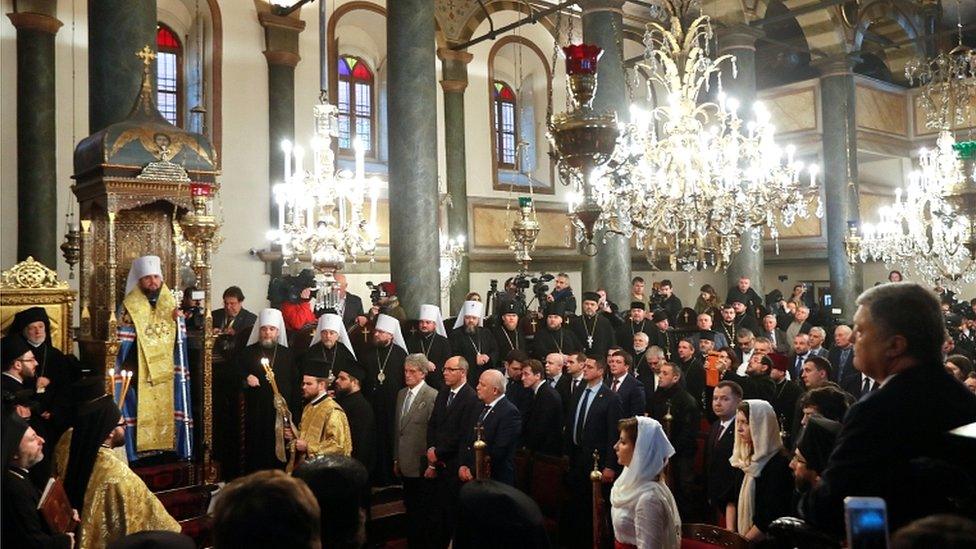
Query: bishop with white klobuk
point(473, 341)
point(429, 338)
point(383, 364)
point(152, 350)
point(331, 344)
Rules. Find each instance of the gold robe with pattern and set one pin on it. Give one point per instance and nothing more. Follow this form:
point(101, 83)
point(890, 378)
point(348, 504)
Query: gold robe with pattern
point(155, 338)
point(118, 503)
point(325, 429)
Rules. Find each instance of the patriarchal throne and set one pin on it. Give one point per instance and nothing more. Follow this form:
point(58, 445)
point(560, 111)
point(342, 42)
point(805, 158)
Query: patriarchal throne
point(146, 187)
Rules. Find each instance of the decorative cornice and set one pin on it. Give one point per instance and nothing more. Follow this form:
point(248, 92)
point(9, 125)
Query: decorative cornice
point(285, 58)
point(270, 20)
point(447, 54)
point(35, 22)
point(454, 86)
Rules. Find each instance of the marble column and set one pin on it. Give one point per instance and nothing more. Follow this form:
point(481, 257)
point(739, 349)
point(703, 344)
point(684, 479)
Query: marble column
point(740, 41)
point(37, 184)
point(412, 123)
point(454, 70)
point(281, 52)
point(840, 178)
point(603, 26)
point(117, 30)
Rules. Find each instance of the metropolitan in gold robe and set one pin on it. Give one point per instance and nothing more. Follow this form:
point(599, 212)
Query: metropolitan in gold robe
point(324, 428)
point(113, 500)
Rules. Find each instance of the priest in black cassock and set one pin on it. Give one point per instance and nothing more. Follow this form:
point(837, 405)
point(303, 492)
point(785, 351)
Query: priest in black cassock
point(383, 366)
point(554, 338)
point(638, 323)
point(663, 336)
point(508, 335)
point(592, 329)
point(430, 340)
point(263, 427)
point(474, 342)
point(330, 343)
point(359, 413)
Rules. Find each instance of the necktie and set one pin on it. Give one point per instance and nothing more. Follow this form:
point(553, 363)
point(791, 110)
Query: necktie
point(575, 384)
point(844, 353)
point(581, 416)
point(450, 398)
point(616, 385)
point(799, 365)
point(406, 406)
point(552, 383)
point(484, 413)
point(866, 386)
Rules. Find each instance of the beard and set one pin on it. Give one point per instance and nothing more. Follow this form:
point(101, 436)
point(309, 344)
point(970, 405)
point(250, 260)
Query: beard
point(640, 350)
point(470, 330)
point(35, 342)
point(117, 438)
point(268, 343)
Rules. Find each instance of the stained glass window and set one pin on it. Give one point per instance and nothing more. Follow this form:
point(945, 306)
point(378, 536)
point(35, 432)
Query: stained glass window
point(355, 102)
point(169, 78)
point(505, 124)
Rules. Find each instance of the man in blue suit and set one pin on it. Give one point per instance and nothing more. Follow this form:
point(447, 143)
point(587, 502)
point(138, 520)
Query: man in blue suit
point(629, 390)
point(591, 427)
point(501, 425)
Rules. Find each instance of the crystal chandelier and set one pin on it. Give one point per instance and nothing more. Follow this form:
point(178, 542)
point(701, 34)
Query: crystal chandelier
point(452, 254)
point(686, 178)
point(322, 214)
point(948, 82)
point(923, 232)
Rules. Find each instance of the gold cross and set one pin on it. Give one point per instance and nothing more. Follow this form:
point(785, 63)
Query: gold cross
point(147, 55)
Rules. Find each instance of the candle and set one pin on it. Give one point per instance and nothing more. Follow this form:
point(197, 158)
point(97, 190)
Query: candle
point(279, 193)
point(286, 148)
point(374, 193)
point(299, 162)
point(360, 160)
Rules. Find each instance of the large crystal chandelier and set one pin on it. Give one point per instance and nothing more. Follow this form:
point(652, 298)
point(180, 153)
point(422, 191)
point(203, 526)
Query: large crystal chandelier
point(923, 232)
point(451, 257)
point(325, 217)
point(689, 177)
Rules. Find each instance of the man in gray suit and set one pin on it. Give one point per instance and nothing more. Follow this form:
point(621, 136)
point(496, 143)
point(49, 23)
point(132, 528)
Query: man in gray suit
point(414, 404)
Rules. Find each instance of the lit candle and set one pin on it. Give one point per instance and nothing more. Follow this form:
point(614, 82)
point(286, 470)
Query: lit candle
point(286, 148)
point(374, 194)
point(299, 162)
point(279, 193)
point(360, 159)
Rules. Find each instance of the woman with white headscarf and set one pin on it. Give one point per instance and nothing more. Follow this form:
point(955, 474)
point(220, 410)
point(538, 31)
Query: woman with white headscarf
point(767, 487)
point(643, 510)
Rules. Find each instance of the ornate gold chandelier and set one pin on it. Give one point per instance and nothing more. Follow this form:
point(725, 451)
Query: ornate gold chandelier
point(325, 217)
point(687, 178)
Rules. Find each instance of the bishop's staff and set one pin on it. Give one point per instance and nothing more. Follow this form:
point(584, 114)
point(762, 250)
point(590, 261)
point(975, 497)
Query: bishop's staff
point(282, 419)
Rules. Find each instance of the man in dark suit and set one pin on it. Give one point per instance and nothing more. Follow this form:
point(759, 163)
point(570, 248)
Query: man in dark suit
point(795, 360)
point(682, 429)
point(501, 425)
point(775, 335)
point(232, 324)
point(514, 390)
point(721, 479)
point(571, 382)
point(894, 442)
point(455, 411)
point(858, 385)
point(591, 427)
point(630, 391)
point(542, 413)
point(692, 371)
point(350, 306)
point(841, 355)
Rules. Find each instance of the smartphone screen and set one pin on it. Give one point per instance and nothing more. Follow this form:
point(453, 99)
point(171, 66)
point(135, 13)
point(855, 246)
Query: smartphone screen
point(867, 524)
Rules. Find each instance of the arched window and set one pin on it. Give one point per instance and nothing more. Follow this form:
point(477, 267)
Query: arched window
point(505, 124)
point(355, 104)
point(169, 75)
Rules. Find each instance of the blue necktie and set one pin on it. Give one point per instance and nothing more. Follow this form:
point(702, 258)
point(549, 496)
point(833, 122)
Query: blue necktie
point(581, 416)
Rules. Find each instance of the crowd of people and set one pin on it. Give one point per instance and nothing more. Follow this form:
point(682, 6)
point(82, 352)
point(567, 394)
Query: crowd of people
point(734, 413)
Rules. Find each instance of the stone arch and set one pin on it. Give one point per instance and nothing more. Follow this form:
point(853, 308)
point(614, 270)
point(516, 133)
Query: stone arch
point(479, 16)
point(788, 58)
point(878, 10)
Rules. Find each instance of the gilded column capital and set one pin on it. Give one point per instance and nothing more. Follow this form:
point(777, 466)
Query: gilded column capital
point(281, 38)
point(35, 22)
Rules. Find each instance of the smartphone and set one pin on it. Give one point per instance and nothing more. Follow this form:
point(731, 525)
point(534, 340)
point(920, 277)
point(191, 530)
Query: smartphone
point(198, 295)
point(867, 523)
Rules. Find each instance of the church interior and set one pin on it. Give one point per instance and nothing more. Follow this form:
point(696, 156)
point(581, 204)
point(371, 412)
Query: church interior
point(421, 153)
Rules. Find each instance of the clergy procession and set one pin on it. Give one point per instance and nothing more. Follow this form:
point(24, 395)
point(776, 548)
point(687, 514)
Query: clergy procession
point(433, 274)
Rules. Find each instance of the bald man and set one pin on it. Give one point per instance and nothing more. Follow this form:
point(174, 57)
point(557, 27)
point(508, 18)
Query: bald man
point(501, 425)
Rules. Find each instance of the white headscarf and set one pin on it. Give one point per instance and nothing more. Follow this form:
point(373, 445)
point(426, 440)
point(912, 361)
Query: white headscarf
point(390, 325)
point(766, 443)
point(471, 308)
point(269, 317)
point(331, 321)
point(143, 266)
point(651, 449)
point(433, 314)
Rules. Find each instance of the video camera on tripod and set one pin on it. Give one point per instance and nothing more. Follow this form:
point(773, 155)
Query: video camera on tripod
point(515, 291)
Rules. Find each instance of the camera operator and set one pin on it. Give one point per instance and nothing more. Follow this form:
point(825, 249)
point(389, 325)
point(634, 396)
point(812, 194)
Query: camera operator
point(385, 301)
point(192, 309)
point(562, 294)
point(298, 301)
point(231, 323)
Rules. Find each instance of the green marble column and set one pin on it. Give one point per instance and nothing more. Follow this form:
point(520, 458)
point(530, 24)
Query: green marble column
point(412, 123)
point(840, 178)
point(37, 177)
point(454, 69)
point(603, 26)
point(740, 41)
point(117, 30)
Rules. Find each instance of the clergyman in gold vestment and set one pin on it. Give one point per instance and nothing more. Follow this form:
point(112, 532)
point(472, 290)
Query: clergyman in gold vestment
point(324, 428)
point(150, 307)
point(113, 500)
